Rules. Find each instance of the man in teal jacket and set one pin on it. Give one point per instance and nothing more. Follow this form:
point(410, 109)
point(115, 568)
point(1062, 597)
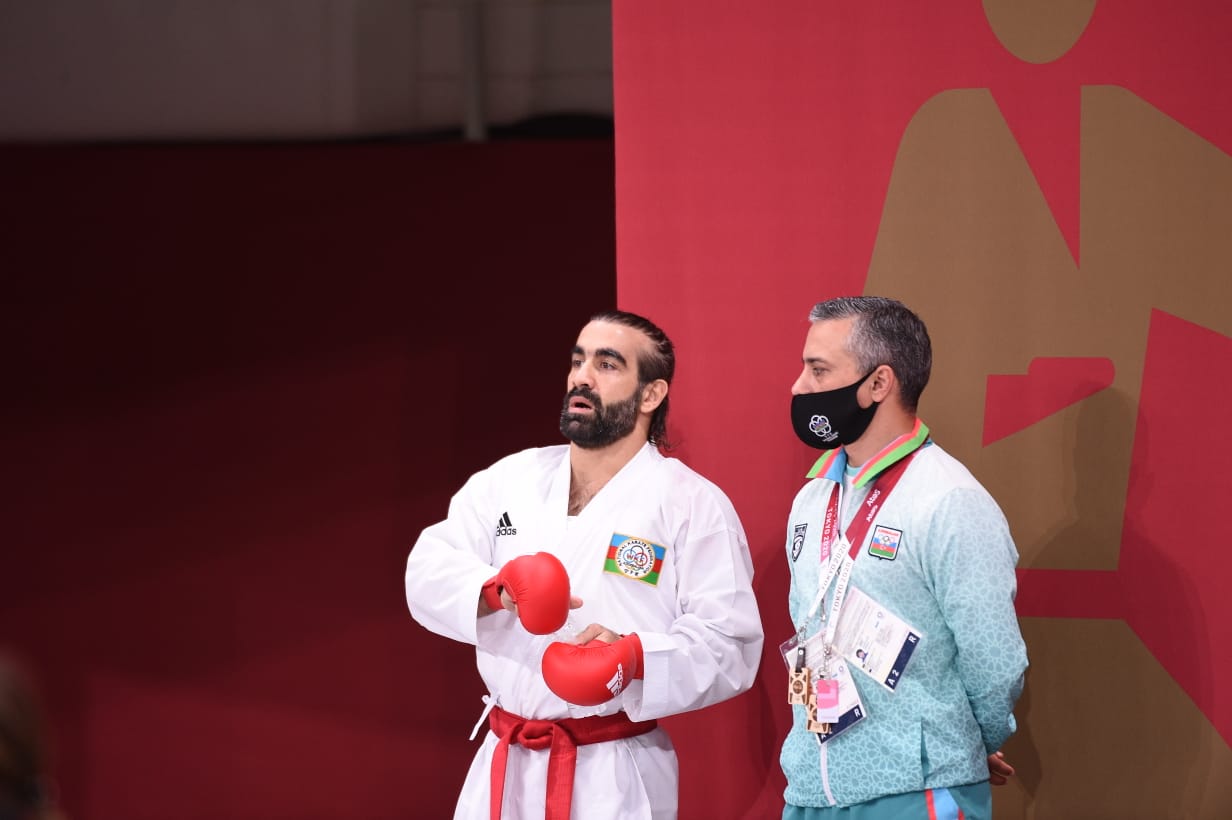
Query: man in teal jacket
point(907, 659)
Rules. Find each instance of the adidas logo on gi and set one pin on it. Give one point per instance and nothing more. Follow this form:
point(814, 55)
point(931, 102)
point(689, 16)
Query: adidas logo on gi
point(617, 684)
point(504, 526)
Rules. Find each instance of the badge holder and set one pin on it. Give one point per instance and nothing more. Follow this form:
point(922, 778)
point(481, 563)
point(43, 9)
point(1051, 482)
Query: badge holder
point(798, 674)
point(843, 706)
point(831, 701)
point(566, 634)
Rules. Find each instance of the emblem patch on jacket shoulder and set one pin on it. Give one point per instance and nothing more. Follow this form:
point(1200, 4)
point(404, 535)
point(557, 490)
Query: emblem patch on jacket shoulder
point(636, 558)
point(885, 543)
point(797, 540)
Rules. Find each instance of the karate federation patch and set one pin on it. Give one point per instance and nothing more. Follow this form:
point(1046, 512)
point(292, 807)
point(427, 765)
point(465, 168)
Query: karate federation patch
point(635, 558)
point(797, 540)
point(885, 543)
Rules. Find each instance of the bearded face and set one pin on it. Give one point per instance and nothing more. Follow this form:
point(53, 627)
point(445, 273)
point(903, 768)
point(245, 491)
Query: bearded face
point(589, 424)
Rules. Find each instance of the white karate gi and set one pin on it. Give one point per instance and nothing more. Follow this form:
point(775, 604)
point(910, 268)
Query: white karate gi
point(699, 626)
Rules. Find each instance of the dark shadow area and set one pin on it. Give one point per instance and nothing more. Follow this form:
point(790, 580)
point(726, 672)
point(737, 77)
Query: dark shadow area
point(239, 379)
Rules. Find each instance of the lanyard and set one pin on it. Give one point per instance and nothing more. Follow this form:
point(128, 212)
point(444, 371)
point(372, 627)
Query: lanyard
point(840, 563)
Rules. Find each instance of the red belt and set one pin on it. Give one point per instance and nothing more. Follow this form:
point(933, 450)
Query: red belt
point(562, 737)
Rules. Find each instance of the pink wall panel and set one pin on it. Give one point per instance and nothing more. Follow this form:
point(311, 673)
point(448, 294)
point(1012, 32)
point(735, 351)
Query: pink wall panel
point(1036, 180)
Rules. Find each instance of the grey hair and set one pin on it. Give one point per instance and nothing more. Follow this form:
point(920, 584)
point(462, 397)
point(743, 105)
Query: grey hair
point(885, 331)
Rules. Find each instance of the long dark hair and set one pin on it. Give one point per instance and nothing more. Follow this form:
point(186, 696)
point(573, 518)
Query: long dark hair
point(658, 363)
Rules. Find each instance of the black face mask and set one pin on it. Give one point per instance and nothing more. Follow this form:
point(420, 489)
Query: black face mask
point(832, 417)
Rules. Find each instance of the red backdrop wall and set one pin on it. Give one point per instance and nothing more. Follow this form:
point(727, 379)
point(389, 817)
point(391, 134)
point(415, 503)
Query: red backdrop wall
point(237, 382)
point(1049, 185)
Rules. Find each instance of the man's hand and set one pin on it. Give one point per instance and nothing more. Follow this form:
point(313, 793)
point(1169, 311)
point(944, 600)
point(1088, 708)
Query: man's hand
point(595, 671)
point(999, 769)
point(597, 632)
point(511, 605)
point(535, 587)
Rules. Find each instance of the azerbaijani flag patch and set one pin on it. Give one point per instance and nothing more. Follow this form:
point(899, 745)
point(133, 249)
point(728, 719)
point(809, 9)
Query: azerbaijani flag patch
point(885, 543)
point(635, 558)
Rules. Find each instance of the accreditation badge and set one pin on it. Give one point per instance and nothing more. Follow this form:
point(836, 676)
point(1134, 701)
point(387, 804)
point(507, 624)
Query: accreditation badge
point(843, 708)
point(874, 640)
point(825, 701)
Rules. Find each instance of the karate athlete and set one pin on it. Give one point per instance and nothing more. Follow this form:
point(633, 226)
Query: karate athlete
point(907, 658)
point(644, 550)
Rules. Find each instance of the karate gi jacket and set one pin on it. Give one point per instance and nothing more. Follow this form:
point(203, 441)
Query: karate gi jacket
point(697, 617)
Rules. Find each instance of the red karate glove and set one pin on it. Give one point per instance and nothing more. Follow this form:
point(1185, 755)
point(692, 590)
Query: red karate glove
point(539, 585)
point(592, 673)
